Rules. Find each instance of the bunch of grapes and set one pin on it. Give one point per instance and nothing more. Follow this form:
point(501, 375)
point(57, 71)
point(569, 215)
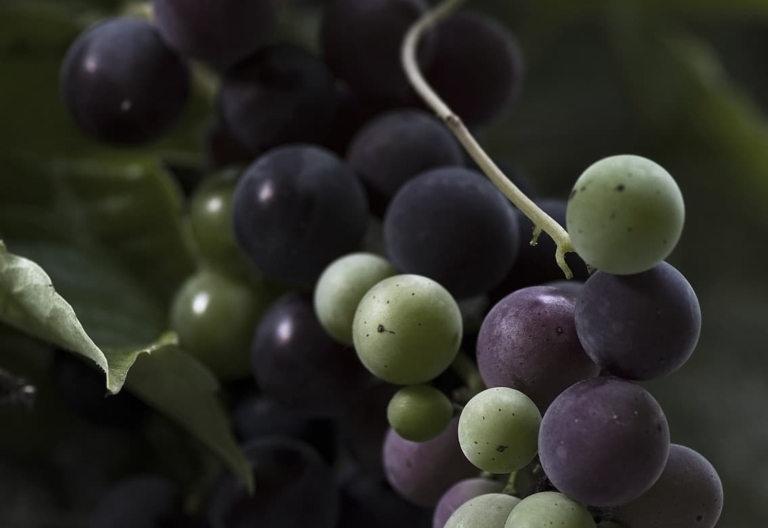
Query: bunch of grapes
point(417, 360)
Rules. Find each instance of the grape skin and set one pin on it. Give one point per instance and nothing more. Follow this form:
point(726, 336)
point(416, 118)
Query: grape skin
point(486, 511)
point(639, 327)
point(625, 215)
point(547, 509)
point(122, 84)
point(528, 342)
point(688, 494)
point(341, 287)
point(460, 493)
point(365, 425)
point(419, 412)
point(604, 441)
point(498, 430)
point(407, 329)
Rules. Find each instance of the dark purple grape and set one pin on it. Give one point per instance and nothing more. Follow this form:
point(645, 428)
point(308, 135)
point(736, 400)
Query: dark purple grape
point(422, 471)
point(536, 265)
point(477, 68)
point(571, 287)
point(688, 494)
point(221, 149)
point(604, 442)
point(365, 425)
point(296, 363)
point(395, 148)
point(361, 43)
point(453, 226)
point(258, 417)
point(82, 388)
point(294, 489)
point(460, 493)
point(370, 502)
point(296, 209)
point(140, 502)
point(122, 84)
point(639, 327)
point(281, 95)
point(528, 342)
point(514, 173)
point(222, 32)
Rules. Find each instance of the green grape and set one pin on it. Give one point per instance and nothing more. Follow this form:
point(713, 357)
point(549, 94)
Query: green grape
point(485, 511)
point(340, 288)
point(547, 510)
point(419, 413)
point(210, 221)
point(625, 215)
point(407, 329)
point(215, 317)
point(499, 430)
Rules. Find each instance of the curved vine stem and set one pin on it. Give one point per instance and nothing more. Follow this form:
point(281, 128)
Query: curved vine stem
point(541, 220)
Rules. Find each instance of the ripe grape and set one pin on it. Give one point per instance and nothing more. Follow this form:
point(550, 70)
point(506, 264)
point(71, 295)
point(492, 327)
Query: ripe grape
point(422, 471)
point(144, 501)
point(365, 425)
point(639, 327)
point(342, 286)
point(498, 430)
point(688, 494)
point(604, 441)
point(625, 214)
point(454, 226)
point(407, 329)
point(376, 27)
point(397, 146)
point(477, 68)
point(419, 412)
point(215, 316)
point(486, 511)
point(221, 32)
point(295, 210)
point(220, 149)
point(547, 509)
point(122, 84)
point(460, 493)
point(529, 342)
point(294, 488)
point(296, 363)
point(281, 95)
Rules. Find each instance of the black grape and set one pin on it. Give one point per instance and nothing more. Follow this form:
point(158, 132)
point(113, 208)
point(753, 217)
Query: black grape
point(513, 173)
point(528, 342)
point(122, 84)
point(140, 502)
point(604, 442)
point(688, 494)
point(453, 226)
point(296, 209)
point(281, 95)
point(477, 68)
point(222, 32)
point(536, 265)
point(370, 502)
point(361, 43)
point(639, 327)
point(294, 489)
point(258, 416)
point(299, 365)
point(83, 389)
point(221, 149)
point(395, 148)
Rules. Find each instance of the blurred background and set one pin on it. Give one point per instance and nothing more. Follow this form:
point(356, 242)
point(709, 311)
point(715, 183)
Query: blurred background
point(683, 82)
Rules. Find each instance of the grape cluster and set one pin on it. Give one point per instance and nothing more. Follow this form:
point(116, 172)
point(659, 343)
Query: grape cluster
point(346, 245)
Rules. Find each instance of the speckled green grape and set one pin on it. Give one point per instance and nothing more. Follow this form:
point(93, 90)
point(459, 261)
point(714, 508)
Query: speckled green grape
point(215, 317)
point(419, 413)
point(625, 215)
point(499, 430)
point(407, 329)
point(547, 510)
point(342, 286)
point(486, 511)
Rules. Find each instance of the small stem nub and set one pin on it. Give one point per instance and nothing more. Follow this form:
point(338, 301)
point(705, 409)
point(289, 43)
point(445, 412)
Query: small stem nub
point(540, 219)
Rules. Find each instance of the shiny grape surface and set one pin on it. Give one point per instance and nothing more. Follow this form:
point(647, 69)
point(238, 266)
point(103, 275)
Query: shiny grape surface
point(549, 509)
point(460, 493)
point(419, 412)
point(485, 511)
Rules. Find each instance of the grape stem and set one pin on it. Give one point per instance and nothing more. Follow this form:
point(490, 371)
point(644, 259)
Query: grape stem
point(465, 368)
point(511, 487)
point(542, 221)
